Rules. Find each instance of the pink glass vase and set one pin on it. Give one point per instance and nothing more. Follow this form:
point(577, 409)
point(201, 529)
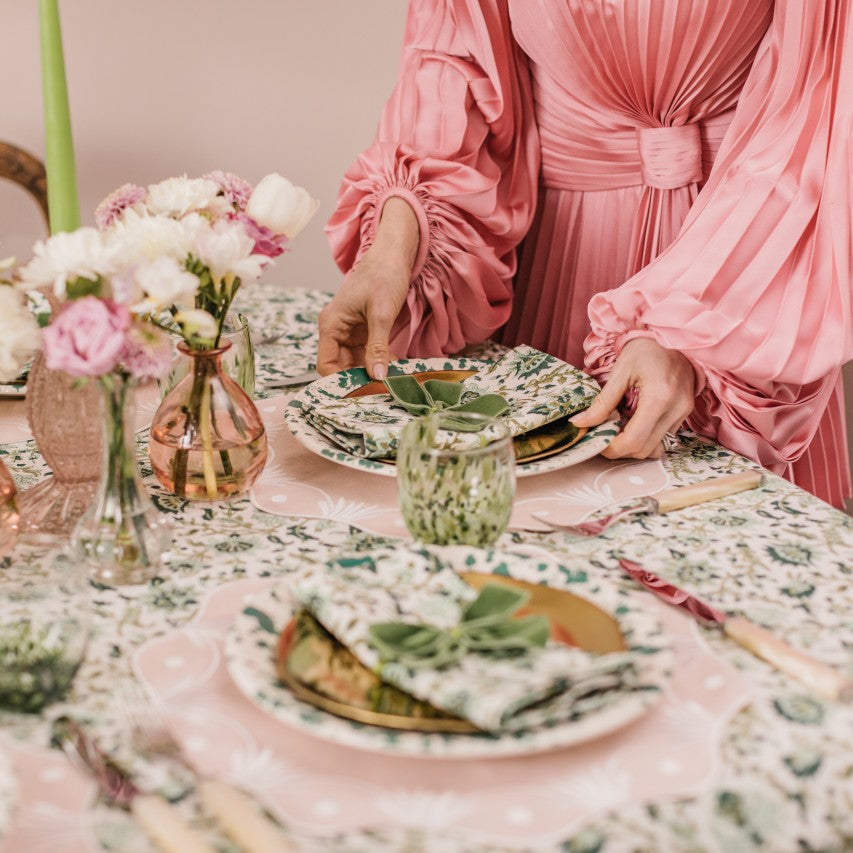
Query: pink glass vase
point(66, 424)
point(207, 440)
point(9, 517)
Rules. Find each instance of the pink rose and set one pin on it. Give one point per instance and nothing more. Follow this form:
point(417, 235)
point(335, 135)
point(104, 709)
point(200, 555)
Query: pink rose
point(267, 242)
point(87, 337)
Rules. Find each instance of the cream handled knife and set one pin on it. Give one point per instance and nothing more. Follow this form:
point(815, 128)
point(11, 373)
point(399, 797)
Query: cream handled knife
point(822, 679)
point(666, 501)
point(159, 818)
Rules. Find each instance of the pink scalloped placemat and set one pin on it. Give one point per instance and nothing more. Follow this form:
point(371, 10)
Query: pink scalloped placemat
point(298, 482)
point(320, 787)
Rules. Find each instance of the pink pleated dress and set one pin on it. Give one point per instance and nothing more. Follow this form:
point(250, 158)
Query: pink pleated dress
point(589, 171)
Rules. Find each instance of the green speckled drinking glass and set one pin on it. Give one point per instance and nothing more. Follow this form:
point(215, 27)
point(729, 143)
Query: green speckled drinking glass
point(456, 496)
point(44, 626)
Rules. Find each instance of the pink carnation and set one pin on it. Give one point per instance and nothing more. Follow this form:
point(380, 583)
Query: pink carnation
point(147, 352)
point(115, 204)
point(267, 242)
point(234, 188)
point(87, 337)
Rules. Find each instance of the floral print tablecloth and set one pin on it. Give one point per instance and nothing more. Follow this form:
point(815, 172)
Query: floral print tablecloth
point(785, 775)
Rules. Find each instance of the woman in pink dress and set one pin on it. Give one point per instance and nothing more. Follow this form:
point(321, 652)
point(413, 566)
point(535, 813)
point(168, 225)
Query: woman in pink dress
point(676, 178)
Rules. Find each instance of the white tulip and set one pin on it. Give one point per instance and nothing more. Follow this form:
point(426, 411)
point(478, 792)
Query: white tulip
point(226, 249)
point(280, 206)
point(197, 323)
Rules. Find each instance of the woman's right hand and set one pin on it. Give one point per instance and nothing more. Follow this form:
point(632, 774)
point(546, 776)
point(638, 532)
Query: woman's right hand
point(356, 325)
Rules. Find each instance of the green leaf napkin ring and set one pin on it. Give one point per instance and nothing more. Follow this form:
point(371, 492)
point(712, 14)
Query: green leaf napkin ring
point(486, 626)
point(437, 395)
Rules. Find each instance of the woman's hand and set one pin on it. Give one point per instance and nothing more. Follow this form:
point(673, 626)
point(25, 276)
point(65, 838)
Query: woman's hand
point(356, 324)
point(664, 380)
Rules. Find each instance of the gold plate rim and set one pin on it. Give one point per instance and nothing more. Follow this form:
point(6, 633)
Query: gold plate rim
point(450, 725)
point(375, 388)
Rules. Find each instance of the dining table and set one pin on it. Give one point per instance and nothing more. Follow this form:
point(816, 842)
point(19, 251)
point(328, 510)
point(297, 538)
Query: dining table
point(733, 756)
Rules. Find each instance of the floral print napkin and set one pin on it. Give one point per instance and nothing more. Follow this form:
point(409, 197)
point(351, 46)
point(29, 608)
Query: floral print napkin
point(538, 387)
point(542, 686)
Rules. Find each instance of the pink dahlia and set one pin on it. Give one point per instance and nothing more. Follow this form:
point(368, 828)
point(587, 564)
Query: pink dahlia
point(115, 204)
point(267, 242)
point(233, 187)
point(87, 337)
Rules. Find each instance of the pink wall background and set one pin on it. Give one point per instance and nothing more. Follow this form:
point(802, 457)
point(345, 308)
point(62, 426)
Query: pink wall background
point(163, 87)
point(160, 88)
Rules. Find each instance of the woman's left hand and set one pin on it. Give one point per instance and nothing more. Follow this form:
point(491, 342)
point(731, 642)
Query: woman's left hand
point(664, 380)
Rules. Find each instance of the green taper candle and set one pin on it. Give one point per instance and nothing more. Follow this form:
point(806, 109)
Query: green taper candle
point(62, 202)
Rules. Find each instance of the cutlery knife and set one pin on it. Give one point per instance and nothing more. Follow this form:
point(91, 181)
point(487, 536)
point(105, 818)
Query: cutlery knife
point(822, 679)
point(668, 500)
point(155, 815)
point(292, 381)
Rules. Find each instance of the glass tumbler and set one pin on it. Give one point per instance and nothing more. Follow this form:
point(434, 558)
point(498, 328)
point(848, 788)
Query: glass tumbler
point(44, 626)
point(456, 495)
point(238, 361)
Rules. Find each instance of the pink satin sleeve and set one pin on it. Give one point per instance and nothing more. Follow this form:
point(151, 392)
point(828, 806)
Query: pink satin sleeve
point(756, 289)
point(457, 140)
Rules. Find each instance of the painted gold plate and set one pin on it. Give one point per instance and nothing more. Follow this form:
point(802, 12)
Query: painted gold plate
point(540, 443)
point(575, 621)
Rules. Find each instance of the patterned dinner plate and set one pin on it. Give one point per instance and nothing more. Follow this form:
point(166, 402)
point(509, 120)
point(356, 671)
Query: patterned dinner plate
point(348, 383)
point(253, 638)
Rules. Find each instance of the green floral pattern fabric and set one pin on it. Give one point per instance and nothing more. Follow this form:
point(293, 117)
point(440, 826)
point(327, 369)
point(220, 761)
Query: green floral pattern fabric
point(538, 387)
point(541, 687)
point(783, 781)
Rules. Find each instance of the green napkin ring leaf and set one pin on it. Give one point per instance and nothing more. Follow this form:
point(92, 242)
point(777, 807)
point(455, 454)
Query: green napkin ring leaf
point(486, 626)
point(437, 395)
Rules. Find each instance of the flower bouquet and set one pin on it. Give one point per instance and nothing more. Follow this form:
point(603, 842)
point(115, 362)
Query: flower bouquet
point(169, 258)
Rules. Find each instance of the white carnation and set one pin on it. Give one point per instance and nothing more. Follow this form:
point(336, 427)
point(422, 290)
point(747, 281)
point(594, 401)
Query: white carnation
point(226, 249)
point(179, 196)
point(19, 333)
point(164, 282)
point(84, 253)
point(141, 239)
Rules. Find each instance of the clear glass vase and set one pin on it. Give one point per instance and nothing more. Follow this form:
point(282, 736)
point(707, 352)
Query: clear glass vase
point(207, 440)
point(122, 537)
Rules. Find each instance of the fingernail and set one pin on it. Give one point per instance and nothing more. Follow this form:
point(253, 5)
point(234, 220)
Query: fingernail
point(379, 371)
point(577, 419)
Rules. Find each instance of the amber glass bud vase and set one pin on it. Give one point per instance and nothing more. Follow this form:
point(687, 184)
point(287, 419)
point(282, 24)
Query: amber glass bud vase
point(207, 440)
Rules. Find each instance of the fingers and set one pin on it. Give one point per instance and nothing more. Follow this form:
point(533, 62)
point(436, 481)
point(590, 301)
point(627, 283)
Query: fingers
point(342, 340)
point(601, 407)
point(376, 353)
point(643, 435)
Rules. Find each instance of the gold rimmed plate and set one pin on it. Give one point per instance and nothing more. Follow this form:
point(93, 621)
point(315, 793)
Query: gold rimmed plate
point(550, 447)
point(320, 671)
point(595, 616)
point(539, 443)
